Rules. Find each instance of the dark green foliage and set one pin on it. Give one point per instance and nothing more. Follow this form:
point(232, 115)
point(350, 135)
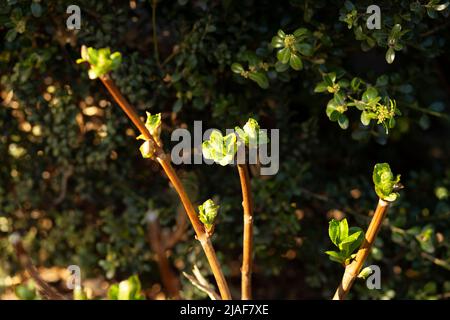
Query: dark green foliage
point(73, 182)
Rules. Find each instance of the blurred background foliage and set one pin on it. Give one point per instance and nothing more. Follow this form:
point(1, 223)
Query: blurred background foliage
point(73, 184)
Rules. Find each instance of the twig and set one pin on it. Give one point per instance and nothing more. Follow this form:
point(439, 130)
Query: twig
point(430, 112)
point(201, 283)
point(439, 262)
point(354, 268)
point(169, 279)
point(24, 259)
point(247, 258)
point(64, 179)
point(164, 161)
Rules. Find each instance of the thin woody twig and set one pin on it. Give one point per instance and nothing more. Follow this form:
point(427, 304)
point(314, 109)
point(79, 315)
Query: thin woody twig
point(24, 259)
point(247, 258)
point(201, 283)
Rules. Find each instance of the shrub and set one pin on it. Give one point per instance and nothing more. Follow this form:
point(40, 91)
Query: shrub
point(77, 189)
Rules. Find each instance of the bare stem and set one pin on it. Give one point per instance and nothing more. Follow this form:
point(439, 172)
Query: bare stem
point(24, 259)
point(354, 268)
point(247, 258)
point(163, 160)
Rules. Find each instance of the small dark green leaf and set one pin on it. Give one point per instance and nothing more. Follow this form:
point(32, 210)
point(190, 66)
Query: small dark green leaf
point(370, 94)
point(390, 55)
point(260, 78)
point(277, 42)
point(300, 32)
point(295, 62)
point(305, 49)
point(283, 55)
point(365, 119)
point(237, 68)
point(11, 35)
point(280, 67)
point(321, 87)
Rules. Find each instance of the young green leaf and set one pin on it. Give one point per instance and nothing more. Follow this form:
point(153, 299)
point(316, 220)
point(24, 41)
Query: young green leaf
point(351, 242)
point(333, 232)
point(343, 229)
point(336, 256)
point(153, 125)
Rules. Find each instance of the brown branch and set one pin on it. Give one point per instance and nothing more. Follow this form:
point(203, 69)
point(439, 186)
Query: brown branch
point(45, 289)
point(64, 179)
point(164, 161)
point(169, 279)
point(247, 259)
point(354, 268)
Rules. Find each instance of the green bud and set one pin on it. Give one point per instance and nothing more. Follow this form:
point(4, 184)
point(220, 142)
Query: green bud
point(367, 271)
point(147, 149)
point(129, 289)
point(153, 124)
point(251, 134)
point(208, 213)
point(385, 182)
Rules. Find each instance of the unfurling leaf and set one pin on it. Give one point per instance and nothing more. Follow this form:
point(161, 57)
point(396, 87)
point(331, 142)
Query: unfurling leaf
point(101, 61)
point(153, 125)
point(385, 182)
point(251, 134)
point(207, 213)
point(346, 239)
point(219, 148)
